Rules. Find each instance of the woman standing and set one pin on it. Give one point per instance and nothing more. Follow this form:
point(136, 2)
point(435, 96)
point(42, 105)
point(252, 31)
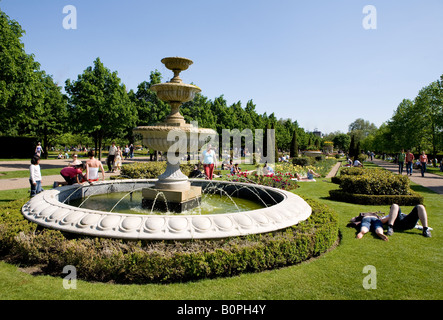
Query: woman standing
point(38, 150)
point(423, 162)
point(118, 159)
point(209, 161)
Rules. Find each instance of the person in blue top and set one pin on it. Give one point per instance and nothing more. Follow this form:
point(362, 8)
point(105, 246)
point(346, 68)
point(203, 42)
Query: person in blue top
point(209, 161)
point(267, 170)
point(38, 150)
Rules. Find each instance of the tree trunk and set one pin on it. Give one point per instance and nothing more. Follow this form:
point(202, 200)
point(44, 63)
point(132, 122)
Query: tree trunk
point(100, 138)
point(96, 142)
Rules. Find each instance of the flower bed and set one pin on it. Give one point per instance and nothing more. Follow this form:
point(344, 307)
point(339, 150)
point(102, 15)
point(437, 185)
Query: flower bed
point(277, 180)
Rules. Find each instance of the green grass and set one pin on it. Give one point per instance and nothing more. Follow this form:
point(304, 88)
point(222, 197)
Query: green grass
point(25, 173)
point(408, 267)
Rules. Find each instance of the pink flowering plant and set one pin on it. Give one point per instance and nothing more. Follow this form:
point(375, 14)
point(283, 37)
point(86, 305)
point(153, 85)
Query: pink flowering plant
point(276, 180)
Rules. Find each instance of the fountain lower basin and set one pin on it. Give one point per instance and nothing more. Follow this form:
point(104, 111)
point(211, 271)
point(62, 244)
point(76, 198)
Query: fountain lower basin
point(48, 209)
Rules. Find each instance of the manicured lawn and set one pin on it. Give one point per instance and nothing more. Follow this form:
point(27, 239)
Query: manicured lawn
point(25, 173)
point(408, 266)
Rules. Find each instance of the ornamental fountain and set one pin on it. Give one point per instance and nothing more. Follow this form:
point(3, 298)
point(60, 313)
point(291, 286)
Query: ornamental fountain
point(279, 209)
point(176, 192)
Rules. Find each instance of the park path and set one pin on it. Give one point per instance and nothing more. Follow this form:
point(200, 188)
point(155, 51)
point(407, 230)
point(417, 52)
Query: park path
point(431, 181)
point(19, 183)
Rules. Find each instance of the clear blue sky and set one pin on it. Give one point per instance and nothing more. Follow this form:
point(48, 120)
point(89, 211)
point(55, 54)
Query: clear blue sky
point(309, 61)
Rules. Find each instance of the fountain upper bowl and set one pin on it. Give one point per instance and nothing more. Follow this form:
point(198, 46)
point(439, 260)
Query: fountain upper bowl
point(176, 63)
point(175, 92)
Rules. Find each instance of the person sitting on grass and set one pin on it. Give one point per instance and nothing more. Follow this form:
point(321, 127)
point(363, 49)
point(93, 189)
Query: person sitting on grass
point(196, 173)
point(235, 169)
point(267, 170)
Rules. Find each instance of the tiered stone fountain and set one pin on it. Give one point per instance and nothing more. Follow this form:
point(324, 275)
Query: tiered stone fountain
point(281, 209)
point(173, 190)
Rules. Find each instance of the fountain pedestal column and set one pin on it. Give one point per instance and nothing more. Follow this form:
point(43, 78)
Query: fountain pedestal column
point(173, 192)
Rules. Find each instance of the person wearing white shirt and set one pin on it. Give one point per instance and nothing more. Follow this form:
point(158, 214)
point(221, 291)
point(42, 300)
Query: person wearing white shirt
point(209, 162)
point(35, 176)
point(111, 157)
point(357, 163)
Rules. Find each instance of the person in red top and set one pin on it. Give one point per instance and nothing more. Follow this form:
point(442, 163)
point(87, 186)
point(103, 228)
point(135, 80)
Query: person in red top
point(424, 162)
point(409, 161)
point(73, 174)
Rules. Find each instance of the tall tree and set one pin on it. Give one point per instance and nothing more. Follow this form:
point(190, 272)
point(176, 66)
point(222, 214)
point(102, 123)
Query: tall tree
point(19, 79)
point(430, 103)
point(294, 145)
point(150, 108)
point(49, 118)
point(361, 128)
point(100, 105)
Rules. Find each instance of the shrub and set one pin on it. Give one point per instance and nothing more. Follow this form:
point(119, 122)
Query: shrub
point(402, 200)
point(376, 182)
point(277, 180)
point(123, 261)
point(374, 186)
point(303, 161)
point(149, 170)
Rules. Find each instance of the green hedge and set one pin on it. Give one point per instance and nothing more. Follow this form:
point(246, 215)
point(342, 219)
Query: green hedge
point(122, 261)
point(402, 200)
point(149, 170)
point(374, 186)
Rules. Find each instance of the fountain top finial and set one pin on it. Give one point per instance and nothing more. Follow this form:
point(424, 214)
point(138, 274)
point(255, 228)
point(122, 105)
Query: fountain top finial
point(177, 63)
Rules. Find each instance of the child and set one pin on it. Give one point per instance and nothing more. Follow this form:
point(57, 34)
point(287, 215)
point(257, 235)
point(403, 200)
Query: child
point(35, 177)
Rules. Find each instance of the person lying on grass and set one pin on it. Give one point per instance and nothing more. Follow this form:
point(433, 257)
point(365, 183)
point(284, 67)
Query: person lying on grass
point(394, 220)
point(372, 223)
point(309, 176)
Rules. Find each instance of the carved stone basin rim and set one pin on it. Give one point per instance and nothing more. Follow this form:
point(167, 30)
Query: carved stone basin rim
point(46, 209)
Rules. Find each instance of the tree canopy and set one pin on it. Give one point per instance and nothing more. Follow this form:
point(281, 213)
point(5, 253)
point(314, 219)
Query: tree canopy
point(99, 104)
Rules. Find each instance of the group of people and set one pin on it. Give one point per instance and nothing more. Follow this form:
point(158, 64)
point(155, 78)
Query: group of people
point(395, 220)
point(408, 159)
point(355, 163)
point(79, 172)
point(75, 172)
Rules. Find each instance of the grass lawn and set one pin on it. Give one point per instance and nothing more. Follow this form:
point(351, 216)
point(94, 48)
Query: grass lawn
point(408, 266)
point(25, 173)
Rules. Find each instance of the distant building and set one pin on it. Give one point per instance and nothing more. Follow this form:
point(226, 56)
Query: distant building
point(317, 133)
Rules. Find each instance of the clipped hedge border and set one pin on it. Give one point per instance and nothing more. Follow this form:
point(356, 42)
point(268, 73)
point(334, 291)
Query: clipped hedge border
point(122, 261)
point(402, 200)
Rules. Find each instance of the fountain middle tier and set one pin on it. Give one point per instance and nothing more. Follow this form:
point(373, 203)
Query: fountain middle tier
point(156, 137)
point(162, 137)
